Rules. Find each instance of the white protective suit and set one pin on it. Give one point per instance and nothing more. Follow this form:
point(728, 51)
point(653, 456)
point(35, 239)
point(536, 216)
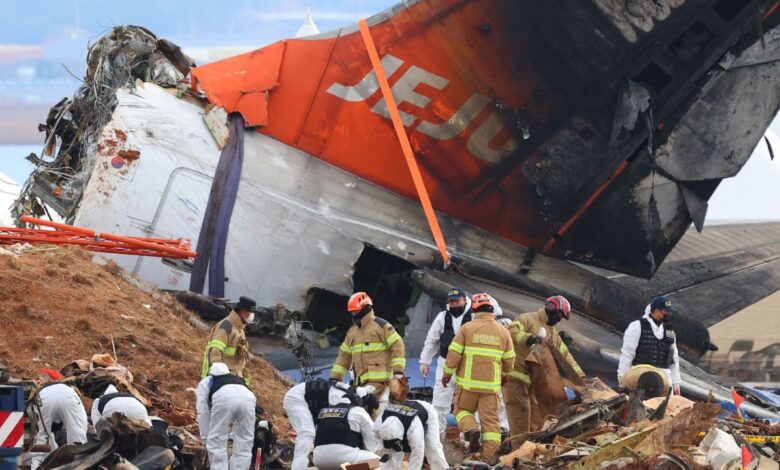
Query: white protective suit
point(422, 442)
point(60, 404)
point(442, 397)
point(331, 456)
point(631, 341)
point(128, 406)
point(233, 405)
point(302, 421)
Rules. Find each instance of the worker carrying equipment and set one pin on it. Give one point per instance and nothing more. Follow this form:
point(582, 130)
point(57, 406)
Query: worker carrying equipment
point(528, 330)
point(227, 340)
point(60, 405)
point(303, 403)
point(411, 427)
point(113, 401)
point(345, 434)
point(372, 348)
point(651, 341)
point(226, 406)
point(437, 343)
point(481, 357)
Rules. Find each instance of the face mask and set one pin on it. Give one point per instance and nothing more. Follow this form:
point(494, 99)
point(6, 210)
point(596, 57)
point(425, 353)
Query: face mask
point(457, 311)
point(359, 316)
point(553, 317)
point(251, 317)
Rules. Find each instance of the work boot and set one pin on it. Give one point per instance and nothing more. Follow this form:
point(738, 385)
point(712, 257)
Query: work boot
point(472, 437)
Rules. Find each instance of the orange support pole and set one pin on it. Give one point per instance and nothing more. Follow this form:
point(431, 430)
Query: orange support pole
point(403, 139)
point(126, 243)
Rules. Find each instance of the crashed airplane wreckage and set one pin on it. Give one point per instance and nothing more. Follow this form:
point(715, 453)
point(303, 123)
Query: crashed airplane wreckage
point(561, 142)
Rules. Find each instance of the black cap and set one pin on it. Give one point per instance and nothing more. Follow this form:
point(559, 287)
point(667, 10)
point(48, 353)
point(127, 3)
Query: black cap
point(663, 303)
point(245, 303)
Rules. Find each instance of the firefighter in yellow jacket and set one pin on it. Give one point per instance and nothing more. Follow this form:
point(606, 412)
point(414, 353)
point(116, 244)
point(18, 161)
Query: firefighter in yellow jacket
point(372, 348)
point(227, 340)
point(528, 330)
point(481, 357)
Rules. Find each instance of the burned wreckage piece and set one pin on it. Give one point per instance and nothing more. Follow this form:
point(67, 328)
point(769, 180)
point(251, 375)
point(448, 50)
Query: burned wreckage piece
point(73, 126)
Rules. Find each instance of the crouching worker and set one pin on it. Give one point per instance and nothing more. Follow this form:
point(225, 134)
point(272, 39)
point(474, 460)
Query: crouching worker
point(223, 401)
point(113, 401)
point(303, 403)
point(345, 434)
point(413, 427)
point(60, 407)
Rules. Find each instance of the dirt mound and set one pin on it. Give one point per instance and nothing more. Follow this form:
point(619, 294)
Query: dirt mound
point(58, 306)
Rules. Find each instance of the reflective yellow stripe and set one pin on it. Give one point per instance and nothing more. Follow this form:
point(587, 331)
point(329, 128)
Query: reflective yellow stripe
point(229, 352)
point(578, 369)
point(338, 370)
point(204, 371)
point(462, 414)
point(491, 436)
point(457, 347)
point(392, 339)
point(485, 352)
point(213, 344)
point(345, 348)
point(471, 384)
point(449, 370)
point(520, 376)
point(398, 362)
point(521, 331)
point(248, 380)
point(508, 354)
point(376, 376)
point(368, 347)
point(563, 349)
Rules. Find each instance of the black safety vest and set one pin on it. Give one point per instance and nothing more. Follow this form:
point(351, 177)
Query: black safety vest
point(220, 381)
point(333, 428)
point(317, 393)
point(448, 334)
point(651, 350)
point(406, 414)
point(103, 401)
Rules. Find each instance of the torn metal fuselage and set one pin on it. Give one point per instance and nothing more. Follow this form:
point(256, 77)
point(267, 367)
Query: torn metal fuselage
point(576, 129)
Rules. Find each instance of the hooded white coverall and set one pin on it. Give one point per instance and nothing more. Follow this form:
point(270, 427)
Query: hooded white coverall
point(331, 456)
point(442, 397)
point(300, 417)
point(128, 406)
point(60, 404)
point(231, 405)
point(631, 341)
point(422, 442)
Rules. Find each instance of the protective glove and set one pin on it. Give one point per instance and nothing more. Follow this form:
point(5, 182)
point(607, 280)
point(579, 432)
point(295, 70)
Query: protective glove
point(424, 369)
point(445, 379)
point(533, 339)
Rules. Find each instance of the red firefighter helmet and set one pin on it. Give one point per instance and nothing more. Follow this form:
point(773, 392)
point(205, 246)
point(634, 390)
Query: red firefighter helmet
point(357, 301)
point(559, 303)
point(480, 302)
